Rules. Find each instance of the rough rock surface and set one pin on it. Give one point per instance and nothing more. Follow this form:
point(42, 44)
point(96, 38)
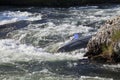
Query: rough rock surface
point(105, 45)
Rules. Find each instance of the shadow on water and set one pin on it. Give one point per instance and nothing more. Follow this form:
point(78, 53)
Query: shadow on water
point(66, 67)
point(6, 28)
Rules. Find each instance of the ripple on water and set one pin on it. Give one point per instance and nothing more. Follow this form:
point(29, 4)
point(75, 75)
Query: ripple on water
point(14, 16)
point(25, 56)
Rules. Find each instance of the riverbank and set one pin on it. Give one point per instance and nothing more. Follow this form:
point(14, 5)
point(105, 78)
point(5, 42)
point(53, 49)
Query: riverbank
point(54, 3)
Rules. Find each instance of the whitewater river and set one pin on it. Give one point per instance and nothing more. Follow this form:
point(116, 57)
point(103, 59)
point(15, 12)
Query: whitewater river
point(30, 37)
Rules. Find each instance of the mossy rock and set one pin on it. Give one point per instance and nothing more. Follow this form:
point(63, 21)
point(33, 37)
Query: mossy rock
point(106, 42)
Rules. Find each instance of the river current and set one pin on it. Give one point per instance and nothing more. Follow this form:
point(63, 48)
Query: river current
point(30, 37)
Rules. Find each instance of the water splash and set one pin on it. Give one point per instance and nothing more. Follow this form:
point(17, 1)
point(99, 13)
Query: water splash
point(14, 16)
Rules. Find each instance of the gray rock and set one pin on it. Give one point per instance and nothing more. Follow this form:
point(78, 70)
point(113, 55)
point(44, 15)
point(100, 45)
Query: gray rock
point(106, 42)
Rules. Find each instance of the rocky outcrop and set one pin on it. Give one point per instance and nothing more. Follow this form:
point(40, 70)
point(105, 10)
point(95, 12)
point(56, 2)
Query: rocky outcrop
point(54, 3)
point(105, 45)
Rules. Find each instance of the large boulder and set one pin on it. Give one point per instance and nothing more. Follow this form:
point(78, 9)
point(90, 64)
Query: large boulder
point(105, 45)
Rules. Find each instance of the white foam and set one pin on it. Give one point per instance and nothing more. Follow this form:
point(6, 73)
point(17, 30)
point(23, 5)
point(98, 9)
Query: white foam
point(112, 66)
point(94, 78)
point(84, 7)
point(8, 21)
point(10, 17)
point(65, 29)
point(48, 33)
point(11, 50)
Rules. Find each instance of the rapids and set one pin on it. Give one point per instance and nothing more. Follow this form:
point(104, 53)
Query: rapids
point(30, 37)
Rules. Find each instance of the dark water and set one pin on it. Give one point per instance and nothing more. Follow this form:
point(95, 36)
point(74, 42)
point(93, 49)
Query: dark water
point(30, 37)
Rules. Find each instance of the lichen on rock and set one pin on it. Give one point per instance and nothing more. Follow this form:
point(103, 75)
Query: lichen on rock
point(105, 45)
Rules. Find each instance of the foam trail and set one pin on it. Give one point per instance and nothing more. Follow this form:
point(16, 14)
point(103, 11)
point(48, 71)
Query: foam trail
point(10, 16)
point(95, 78)
point(11, 50)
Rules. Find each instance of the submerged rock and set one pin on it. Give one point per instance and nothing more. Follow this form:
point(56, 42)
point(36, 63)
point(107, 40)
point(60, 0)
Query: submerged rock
point(105, 45)
point(6, 28)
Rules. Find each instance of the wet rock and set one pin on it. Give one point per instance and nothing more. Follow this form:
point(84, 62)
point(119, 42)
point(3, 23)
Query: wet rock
point(105, 45)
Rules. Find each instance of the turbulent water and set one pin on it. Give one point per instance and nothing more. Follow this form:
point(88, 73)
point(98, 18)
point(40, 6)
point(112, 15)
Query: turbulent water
point(30, 37)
